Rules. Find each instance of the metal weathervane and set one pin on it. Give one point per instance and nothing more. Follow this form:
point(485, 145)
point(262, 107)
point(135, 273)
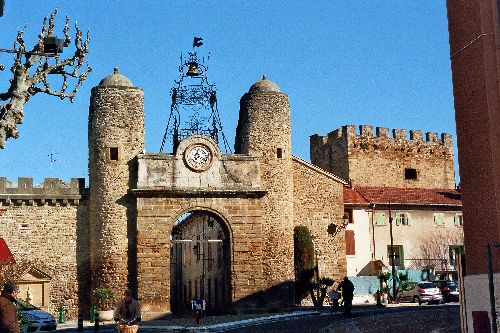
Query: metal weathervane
point(194, 103)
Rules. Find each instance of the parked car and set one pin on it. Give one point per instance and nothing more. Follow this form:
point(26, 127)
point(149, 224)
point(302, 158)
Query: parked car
point(449, 289)
point(422, 292)
point(38, 320)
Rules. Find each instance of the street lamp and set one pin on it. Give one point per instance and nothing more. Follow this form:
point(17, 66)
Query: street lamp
point(333, 229)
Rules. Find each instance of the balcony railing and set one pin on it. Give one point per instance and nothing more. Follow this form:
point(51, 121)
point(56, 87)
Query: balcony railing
point(439, 265)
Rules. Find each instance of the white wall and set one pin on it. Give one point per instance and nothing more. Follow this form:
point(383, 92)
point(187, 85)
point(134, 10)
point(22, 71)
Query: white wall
point(361, 227)
point(477, 296)
point(423, 234)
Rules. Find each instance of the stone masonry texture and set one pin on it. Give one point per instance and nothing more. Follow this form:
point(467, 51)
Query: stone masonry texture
point(46, 228)
point(368, 159)
point(116, 120)
point(263, 128)
point(117, 233)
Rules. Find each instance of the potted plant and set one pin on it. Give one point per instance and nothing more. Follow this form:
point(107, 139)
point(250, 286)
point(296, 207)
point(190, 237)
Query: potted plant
point(104, 301)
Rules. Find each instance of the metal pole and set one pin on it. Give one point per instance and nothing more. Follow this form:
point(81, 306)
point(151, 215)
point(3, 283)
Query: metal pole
point(202, 291)
point(392, 256)
point(492, 287)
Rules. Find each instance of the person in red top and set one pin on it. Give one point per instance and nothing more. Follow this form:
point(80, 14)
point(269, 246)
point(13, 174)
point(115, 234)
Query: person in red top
point(8, 310)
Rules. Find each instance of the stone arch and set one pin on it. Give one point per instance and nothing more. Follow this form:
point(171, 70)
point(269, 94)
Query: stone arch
point(201, 254)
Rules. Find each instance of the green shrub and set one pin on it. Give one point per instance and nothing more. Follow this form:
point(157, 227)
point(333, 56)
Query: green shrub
point(103, 298)
point(303, 260)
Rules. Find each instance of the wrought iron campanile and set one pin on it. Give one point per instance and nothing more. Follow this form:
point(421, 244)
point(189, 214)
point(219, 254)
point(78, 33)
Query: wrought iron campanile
point(194, 103)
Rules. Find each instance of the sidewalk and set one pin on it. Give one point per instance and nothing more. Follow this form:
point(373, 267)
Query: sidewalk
point(220, 323)
point(208, 324)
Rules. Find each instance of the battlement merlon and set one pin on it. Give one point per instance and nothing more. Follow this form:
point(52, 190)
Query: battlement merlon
point(381, 133)
point(51, 191)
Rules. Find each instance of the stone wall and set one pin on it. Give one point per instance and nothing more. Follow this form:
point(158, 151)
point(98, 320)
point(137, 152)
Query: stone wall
point(318, 202)
point(157, 213)
point(379, 160)
point(45, 227)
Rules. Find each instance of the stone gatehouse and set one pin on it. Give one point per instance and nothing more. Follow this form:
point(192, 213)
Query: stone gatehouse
point(129, 227)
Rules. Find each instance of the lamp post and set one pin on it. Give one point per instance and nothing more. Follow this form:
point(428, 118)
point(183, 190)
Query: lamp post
point(393, 257)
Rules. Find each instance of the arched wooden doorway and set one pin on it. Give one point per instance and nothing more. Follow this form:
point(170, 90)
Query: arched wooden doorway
point(200, 262)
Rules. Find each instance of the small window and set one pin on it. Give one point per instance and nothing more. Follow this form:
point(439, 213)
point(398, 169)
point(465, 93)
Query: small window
point(379, 218)
point(348, 217)
point(403, 219)
point(350, 245)
point(24, 227)
point(454, 252)
point(113, 153)
point(410, 173)
point(459, 221)
point(439, 218)
point(398, 255)
point(279, 153)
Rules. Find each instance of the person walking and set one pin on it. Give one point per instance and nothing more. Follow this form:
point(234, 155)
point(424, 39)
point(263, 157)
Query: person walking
point(8, 311)
point(347, 289)
point(128, 313)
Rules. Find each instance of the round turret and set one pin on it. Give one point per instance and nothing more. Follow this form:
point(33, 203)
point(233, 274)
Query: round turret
point(116, 79)
point(116, 137)
point(264, 85)
point(264, 131)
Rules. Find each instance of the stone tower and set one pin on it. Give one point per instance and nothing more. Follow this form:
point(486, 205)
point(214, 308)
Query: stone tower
point(264, 131)
point(368, 159)
point(116, 137)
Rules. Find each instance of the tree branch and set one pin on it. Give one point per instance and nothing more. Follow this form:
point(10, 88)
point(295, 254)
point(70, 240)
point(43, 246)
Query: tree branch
point(23, 85)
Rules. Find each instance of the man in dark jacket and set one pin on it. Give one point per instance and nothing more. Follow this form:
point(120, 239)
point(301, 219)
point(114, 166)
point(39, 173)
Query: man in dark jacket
point(8, 310)
point(128, 311)
point(347, 294)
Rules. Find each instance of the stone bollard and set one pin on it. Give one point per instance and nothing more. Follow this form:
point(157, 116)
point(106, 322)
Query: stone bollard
point(62, 318)
point(80, 323)
point(92, 313)
point(96, 323)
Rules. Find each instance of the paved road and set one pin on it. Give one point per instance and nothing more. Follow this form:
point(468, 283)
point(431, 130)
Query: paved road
point(435, 319)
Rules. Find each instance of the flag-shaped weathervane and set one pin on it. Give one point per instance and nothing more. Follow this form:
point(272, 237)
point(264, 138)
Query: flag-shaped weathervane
point(197, 42)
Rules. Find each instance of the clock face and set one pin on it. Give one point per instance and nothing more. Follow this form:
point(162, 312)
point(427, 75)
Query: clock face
point(198, 157)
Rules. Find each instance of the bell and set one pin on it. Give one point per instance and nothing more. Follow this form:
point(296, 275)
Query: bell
point(193, 69)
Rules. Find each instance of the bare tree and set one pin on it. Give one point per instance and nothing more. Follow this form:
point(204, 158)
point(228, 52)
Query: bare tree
point(436, 244)
point(31, 71)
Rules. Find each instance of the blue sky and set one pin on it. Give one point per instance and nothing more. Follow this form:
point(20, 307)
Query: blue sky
point(382, 63)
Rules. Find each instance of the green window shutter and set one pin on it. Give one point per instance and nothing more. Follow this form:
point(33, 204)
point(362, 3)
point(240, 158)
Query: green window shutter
point(439, 218)
point(379, 218)
point(458, 217)
point(409, 218)
point(398, 219)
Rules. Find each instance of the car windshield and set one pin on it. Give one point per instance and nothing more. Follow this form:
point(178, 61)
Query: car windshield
point(427, 285)
point(25, 306)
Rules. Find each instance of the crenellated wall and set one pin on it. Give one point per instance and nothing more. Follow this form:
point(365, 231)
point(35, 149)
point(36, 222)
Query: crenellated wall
point(50, 191)
point(379, 159)
point(45, 227)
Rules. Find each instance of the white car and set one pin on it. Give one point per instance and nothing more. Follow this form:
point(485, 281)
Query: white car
point(38, 320)
point(422, 292)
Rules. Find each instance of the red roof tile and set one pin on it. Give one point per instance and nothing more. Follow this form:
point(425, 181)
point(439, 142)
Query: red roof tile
point(6, 256)
point(351, 196)
point(409, 196)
